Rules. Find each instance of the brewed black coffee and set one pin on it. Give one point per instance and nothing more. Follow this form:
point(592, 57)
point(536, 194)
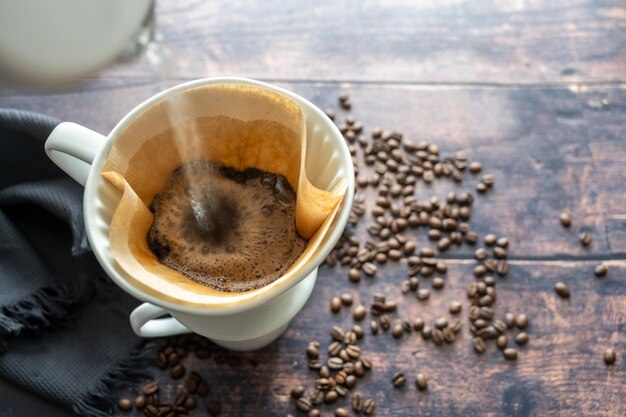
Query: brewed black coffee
point(231, 230)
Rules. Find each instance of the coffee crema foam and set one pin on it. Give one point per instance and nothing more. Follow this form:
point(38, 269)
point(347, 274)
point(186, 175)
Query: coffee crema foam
point(230, 230)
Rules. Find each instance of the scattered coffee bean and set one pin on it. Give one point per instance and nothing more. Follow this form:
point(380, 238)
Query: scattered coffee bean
point(398, 380)
point(374, 327)
point(502, 341)
point(369, 406)
point(297, 392)
point(490, 239)
point(510, 354)
point(369, 268)
point(335, 305)
point(354, 275)
point(601, 270)
point(562, 290)
point(331, 397)
point(359, 313)
point(341, 412)
point(418, 324)
point(566, 219)
point(312, 351)
point(215, 407)
point(315, 412)
point(475, 167)
point(441, 323)
point(509, 320)
point(427, 332)
point(609, 356)
point(397, 331)
point(177, 371)
point(421, 381)
point(423, 294)
point(521, 321)
point(585, 238)
point(438, 283)
point(150, 388)
point(455, 307)
point(438, 338)
point(346, 299)
point(336, 333)
point(479, 344)
point(358, 331)
point(521, 338)
point(124, 404)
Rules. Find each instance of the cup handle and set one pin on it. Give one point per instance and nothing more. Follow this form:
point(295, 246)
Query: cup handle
point(144, 322)
point(72, 148)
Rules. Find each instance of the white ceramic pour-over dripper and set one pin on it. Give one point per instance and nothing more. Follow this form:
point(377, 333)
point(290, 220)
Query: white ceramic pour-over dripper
point(240, 326)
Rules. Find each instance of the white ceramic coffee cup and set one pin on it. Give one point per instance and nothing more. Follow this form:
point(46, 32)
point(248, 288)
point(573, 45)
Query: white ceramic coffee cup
point(248, 325)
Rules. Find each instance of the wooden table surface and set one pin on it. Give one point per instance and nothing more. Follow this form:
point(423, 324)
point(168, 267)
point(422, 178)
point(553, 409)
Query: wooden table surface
point(535, 90)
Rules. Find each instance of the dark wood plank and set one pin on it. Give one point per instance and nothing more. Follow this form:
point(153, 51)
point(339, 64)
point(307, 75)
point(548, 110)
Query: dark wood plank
point(468, 41)
point(550, 149)
point(560, 371)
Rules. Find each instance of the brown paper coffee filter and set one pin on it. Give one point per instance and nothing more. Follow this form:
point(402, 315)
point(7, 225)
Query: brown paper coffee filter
point(238, 126)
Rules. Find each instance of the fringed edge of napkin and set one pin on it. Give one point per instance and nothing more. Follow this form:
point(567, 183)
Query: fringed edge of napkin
point(100, 400)
point(47, 308)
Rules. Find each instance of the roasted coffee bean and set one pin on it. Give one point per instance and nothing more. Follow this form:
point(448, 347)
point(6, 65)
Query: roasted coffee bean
point(359, 313)
point(423, 294)
point(350, 381)
point(336, 333)
point(475, 167)
point(472, 290)
point(303, 404)
point(369, 268)
point(124, 404)
point(585, 238)
point(314, 364)
point(374, 327)
point(480, 254)
point(180, 399)
point(397, 331)
point(354, 275)
point(297, 392)
point(334, 348)
point(609, 356)
point(499, 253)
point(441, 323)
point(427, 332)
point(421, 381)
point(314, 412)
point(385, 324)
point(491, 265)
point(510, 354)
point(566, 219)
point(140, 402)
point(390, 306)
point(489, 281)
point(312, 351)
point(479, 344)
point(215, 407)
point(357, 402)
point(335, 363)
point(418, 324)
point(331, 397)
point(437, 337)
point(322, 384)
point(502, 341)
point(177, 371)
point(151, 411)
point(203, 389)
point(503, 267)
point(562, 290)
point(190, 404)
point(485, 300)
point(479, 271)
point(341, 412)
point(317, 398)
point(438, 283)
point(521, 338)
point(161, 360)
point(448, 335)
point(358, 331)
point(601, 270)
point(486, 313)
point(414, 283)
point(490, 239)
point(398, 380)
point(150, 388)
point(509, 320)
point(335, 305)
point(456, 326)
point(353, 351)
point(500, 326)
point(346, 299)
point(324, 372)
point(341, 390)
point(369, 406)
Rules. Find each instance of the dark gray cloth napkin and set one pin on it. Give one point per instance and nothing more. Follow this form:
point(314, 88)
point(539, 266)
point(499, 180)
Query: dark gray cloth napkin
point(64, 330)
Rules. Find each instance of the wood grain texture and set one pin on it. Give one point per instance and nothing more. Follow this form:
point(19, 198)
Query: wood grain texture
point(534, 90)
